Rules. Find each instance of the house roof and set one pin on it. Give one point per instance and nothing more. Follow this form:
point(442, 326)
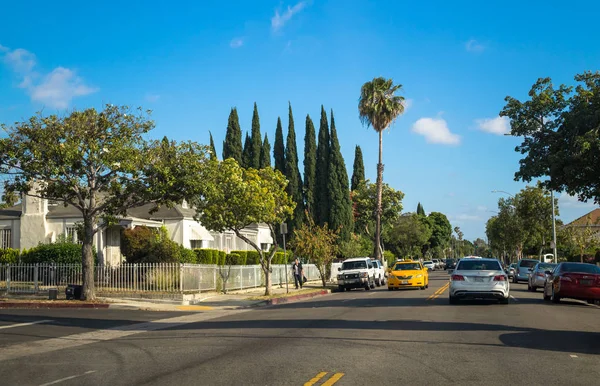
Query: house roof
point(583, 220)
point(14, 212)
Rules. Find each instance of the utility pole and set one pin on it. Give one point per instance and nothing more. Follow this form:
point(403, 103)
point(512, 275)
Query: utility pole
point(553, 227)
point(283, 231)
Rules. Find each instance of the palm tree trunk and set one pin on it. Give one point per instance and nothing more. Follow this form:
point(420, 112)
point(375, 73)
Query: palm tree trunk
point(378, 206)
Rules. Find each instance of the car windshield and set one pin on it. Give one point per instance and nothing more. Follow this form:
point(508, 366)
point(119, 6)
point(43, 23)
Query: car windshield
point(478, 265)
point(428, 262)
point(528, 263)
point(546, 267)
point(407, 267)
point(354, 265)
point(513, 265)
point(580, 268)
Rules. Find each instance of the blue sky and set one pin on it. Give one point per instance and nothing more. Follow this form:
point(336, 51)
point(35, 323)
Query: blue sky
point(191, 62)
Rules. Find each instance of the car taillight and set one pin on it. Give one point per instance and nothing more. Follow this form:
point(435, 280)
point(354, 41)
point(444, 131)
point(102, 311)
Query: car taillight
point(566, 278)
point(457, 278)
point(500, 278)
point(539, 274)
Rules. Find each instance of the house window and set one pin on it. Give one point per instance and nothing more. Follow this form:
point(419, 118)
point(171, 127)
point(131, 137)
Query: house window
point(72, 234)
point(196, 244)
point(5, 238)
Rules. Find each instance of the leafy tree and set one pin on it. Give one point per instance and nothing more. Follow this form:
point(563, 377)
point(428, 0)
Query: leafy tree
point(420, 210)
point(358, 169)
point(247, 153)
point(359, 245)
point(481, 248)
point(583, 238)
point(232, 146)
point(279, 148)
point(9, 198)
point(441, 232)
point(364, 199)
point(236, 198)
point(98, 162)
point(321, 206)
point(294, 187)
point(265, 154)
point(408, 235)
point(340, 204)
point(256, 140)
point(379, 106)
point(213, 151)
point(318, 244)
point(310, 165)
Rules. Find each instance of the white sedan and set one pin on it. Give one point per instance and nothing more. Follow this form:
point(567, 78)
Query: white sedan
point(430, 265)
point(479, 279)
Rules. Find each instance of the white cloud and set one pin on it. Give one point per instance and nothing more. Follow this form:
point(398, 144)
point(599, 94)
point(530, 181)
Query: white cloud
point(435, 130)
point(55, 89)
point(236, 43)
point(498, 125)
point(474, 46)
point(152, 98)
point(567, 201)
point(408, 103)
point(279, 20)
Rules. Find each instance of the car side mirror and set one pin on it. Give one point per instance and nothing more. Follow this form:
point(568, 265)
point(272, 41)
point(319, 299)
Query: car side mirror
point(339, 268)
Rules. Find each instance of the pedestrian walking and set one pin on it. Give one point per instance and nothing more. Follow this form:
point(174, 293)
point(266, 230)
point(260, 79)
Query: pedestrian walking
point(298, 273)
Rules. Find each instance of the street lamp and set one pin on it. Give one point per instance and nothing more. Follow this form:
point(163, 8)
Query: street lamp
point(502, 191)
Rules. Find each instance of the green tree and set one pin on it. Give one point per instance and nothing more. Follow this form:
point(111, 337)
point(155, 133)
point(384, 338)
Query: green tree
point(441, 232)
point(321, 206)
point(420, 210)
point(256, 140)
point(481, 248)
point(265, 154)
point(310, 165)
point(379, 106)
point(236, 198)
point(364, 199)
point(99, 163)
point(279, 148)
point(582, 238)
point(318, 244)
point(232, 146)
point(247, 153)
point(294, 187)
point(408, 235)
point(358, 169)
point(213, 151)
point(340, 204)
point(9, 198)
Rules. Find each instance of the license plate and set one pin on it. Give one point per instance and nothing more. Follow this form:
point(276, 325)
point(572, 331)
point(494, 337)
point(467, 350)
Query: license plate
point(403, 281)
point(585, 282)
point(479, 279)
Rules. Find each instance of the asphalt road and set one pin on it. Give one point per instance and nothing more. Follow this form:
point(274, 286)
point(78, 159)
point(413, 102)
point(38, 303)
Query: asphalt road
point(352, 338)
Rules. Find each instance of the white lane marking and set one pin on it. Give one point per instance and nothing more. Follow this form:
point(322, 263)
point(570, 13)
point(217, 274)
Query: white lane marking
point(574, 356)
point(514, 298)
point(25, 324)
point(54, 344)
point(372, 293)
point(68, 378)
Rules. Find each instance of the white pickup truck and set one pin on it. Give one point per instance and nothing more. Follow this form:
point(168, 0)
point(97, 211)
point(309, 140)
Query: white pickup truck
point(356, 273)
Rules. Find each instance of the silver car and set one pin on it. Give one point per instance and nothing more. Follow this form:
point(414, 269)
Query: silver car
point(478, 278)
point(537, 276)
point(522, 269)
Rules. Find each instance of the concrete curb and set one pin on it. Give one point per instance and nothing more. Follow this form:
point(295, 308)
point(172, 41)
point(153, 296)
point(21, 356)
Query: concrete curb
point(52, 305)
point(290, 299)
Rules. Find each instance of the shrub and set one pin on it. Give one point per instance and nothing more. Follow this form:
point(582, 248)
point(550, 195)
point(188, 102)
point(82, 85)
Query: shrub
point(187, 256)
point(253, 258)
point(147, 245)
point(389, 258)
point(243, 255)
point(10, 256)
point(221, 258)
point(204, 256)
point(59, 253)
point(279, 257)
point(233, 259)
point(137, 243)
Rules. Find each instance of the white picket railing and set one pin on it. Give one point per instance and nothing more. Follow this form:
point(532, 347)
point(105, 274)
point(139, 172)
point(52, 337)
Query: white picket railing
point(146, 277)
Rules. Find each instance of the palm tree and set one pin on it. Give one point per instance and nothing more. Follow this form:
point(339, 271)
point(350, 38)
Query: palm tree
point(378, 107)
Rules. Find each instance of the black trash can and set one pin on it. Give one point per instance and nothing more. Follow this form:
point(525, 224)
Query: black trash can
point(53, 294)
point(73, 291)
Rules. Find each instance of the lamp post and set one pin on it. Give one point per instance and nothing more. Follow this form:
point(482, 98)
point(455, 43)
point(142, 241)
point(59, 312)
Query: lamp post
point(553, 227)
point(283, 230)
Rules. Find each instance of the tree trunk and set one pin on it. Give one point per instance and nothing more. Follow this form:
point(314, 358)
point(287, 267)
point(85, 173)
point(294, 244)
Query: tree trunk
point(267, 270)
point(323, 272)
point(88, 292)
point(378, 206)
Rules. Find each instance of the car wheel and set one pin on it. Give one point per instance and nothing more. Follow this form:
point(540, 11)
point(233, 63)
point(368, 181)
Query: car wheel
point(341, 289)
point(591, 302)
point(528, 286)
point(422, 288)
point(390, 288)
point(555, 298)
point(367, 287)
point(452, 300)
point(378, 282)
point(515, 281)
point(505, 300)
point(383, 282)
point(533, 288)
point(546, 297)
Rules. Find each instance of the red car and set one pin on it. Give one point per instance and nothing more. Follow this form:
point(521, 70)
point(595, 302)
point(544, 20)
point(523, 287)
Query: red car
point(579, 281)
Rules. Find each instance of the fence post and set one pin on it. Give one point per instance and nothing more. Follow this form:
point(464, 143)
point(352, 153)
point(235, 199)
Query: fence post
point(8, 278)
point(215, 276)
point(241, 277)
point(35, 278)
point(180, 278)
point(135, 277)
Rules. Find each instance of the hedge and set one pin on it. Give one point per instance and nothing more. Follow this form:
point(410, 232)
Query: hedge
point(213, 256)
point(59, 253)
point(9, 256)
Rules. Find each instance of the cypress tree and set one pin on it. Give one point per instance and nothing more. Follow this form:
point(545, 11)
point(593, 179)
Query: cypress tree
point(213, 151)
point(340, 205)
point(279, 148)
point(310, 165)
point(321, 208)
point(358, 169)
point(420, 210)
point(265, 154)
point(294, 187)
point(256, 139)
point(247, 153)
point(232, 146)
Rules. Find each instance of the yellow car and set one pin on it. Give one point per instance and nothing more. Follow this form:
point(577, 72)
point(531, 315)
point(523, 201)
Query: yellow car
point(408, 274)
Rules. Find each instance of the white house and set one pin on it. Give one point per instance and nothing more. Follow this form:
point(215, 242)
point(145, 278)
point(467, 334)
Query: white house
point(37, 220)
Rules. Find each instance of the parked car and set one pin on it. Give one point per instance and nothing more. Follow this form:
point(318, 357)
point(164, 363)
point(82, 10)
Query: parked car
point(580, 281)
point(356, 273)
point(437, 263)
point(450, 263)
point(510, 271)
point(537, 276)
point(479, 279)
point(522, 269)
point(379, 272)
point(430, 265)
point(408, 274)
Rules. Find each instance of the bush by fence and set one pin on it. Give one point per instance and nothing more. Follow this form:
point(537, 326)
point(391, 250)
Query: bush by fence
point(9, 256)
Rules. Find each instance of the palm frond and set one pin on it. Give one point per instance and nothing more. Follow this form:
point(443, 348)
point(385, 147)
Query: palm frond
point(378, 105)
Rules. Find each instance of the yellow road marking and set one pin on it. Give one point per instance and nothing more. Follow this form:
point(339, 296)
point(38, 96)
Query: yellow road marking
point(194, 308)
point(439, 292)
point(315, 379)
point(336, 377)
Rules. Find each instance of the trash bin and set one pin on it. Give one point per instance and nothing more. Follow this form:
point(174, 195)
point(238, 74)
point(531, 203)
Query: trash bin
point(53, 294)
point(73, 291)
